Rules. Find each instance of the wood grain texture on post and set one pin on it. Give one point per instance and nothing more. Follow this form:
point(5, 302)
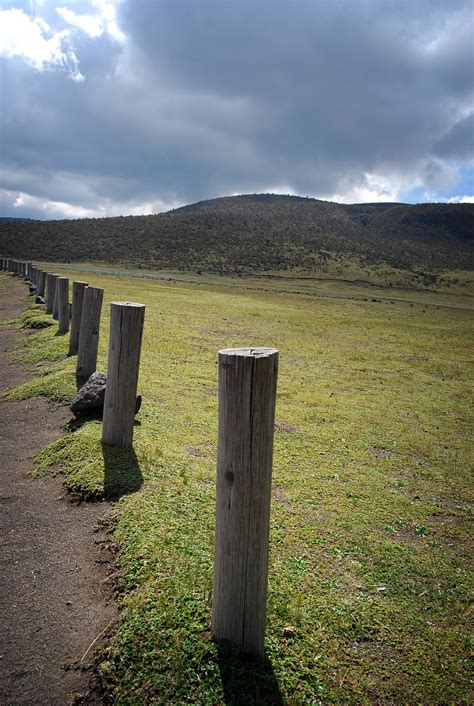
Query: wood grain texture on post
point(63, 304)
point(50, 289)
point(78, 289)
point(89, 332)
point(247, 394)
point(126, 330)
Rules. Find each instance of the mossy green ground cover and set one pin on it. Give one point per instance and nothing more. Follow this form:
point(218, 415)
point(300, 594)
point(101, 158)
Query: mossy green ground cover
point(370, 572)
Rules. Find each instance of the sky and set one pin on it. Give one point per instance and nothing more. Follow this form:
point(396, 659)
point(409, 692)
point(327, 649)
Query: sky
point(118, 107)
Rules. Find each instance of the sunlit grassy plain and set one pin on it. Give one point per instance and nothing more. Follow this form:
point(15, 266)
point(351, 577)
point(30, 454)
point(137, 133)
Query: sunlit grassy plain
point(370, 572)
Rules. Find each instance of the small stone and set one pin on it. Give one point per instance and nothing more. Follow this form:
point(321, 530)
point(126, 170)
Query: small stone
point(40, 300)
point(289, 631)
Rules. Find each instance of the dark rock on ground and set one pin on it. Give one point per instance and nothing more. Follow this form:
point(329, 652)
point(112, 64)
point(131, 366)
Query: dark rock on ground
point(40, 300)
point(91, 396)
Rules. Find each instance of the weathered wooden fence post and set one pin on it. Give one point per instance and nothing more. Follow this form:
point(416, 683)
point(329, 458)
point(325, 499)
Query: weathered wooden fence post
point(247, 393)
point(89, 332)
point(78, 289)
point(50, 289)
point(41, 279)
point(55, 299)
point(63, 304)
point(125, 342)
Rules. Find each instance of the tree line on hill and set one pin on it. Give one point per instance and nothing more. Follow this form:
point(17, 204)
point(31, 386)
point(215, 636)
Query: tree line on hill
point(255, 233)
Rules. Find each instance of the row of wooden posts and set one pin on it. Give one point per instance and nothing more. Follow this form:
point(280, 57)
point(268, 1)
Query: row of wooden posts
point(247, 393)
point(82, 319)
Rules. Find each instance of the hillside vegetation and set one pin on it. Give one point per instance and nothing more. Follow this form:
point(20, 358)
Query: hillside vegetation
point(265, 232)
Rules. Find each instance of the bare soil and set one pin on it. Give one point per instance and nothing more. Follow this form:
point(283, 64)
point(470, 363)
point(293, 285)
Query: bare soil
point(54, 599)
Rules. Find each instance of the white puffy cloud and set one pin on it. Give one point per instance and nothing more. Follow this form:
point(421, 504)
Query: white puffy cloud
point(94, 25)
point(32, 39)
point(91, 24)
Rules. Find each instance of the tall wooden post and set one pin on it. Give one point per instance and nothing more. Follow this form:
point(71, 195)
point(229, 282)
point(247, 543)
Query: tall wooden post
point(50, 289)
point(89, 332)
point(125, 342)
point(63, 304)
point(78, 289)
point(247, 392)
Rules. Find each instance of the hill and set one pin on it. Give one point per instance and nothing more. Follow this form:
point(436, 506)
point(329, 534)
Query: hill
point(261, 232)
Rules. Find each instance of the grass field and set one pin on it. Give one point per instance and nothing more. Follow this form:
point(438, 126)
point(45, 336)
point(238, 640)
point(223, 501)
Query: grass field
point(370, 556)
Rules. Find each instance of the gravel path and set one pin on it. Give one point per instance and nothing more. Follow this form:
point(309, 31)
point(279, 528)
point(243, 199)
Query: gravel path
point(53, 598)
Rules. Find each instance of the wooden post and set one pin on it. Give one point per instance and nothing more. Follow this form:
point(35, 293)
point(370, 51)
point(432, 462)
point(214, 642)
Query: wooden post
point(41, 279)
point(125, 342)
point(247, 392)
point(55, 299)
point(78, 289)
point(51, 291)
point(63, 304)
point(89, 332)
point(50, 288)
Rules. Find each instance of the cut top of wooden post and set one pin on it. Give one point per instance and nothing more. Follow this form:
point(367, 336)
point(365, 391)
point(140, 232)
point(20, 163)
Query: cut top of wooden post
point(250, 352)
point(127, 304)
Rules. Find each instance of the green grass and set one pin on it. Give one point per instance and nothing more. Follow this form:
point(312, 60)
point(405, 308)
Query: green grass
point(370, 572)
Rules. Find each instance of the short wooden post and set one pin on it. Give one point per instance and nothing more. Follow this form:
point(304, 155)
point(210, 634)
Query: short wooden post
point(55, 299)
point(63, 304)
point(50, 289)
point(89, 332)
point(126, 329)
point(41, 280)
point(78, 289)
point(247, 392)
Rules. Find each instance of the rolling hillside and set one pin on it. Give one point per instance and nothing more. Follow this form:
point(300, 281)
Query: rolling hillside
point(262, 232)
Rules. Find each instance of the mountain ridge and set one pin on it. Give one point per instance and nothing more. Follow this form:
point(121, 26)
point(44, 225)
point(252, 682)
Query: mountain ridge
point(257, 233)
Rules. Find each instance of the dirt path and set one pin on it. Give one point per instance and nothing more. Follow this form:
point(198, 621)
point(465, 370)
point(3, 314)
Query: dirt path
point(53, 600)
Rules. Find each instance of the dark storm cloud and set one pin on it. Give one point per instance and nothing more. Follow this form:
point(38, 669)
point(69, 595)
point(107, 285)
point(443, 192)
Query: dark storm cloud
point(356, 100)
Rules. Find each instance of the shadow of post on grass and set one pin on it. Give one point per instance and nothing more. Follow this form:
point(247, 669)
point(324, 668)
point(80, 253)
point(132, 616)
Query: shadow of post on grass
point(122, 474)
point(247, 680)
